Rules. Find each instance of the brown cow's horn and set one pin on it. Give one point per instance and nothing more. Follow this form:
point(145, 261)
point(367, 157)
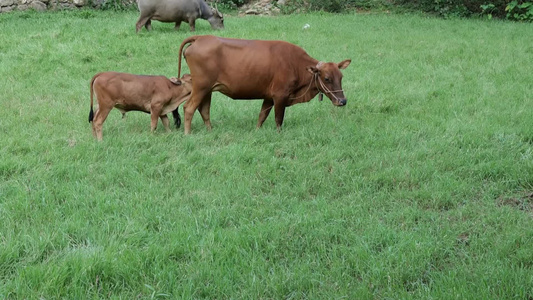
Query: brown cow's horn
point(319, 64)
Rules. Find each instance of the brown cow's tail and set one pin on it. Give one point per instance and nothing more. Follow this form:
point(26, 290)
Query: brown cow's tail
point(91, 113)
point(186, 41)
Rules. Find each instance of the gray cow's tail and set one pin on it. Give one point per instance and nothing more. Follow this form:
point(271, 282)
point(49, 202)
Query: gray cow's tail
point(177, 118)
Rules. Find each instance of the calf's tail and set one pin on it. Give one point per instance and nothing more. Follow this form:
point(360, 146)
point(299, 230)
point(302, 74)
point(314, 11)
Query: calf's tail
point(91, 112)
point(186, 41)
point(177, 119)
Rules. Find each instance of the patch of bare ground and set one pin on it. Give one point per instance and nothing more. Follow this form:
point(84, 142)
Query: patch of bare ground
point(523, 202)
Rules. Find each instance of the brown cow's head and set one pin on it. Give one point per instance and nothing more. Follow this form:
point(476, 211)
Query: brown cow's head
point(329, 80)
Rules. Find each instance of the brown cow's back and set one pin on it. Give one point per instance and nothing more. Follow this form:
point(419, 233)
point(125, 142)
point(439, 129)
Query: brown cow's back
point(265, 66)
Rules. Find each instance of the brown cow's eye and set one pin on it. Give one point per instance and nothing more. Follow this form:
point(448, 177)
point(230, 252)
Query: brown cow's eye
point(327, 79)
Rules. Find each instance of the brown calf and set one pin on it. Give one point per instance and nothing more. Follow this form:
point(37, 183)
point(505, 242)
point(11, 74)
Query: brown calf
point(156, 95)
point(280, 73)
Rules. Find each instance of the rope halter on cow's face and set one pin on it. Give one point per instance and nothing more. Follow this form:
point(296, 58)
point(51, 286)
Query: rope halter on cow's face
point(321, 86)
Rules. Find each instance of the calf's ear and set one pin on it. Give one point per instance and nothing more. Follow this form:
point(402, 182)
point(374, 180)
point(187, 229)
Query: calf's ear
point(344, 64)
point(175, 81)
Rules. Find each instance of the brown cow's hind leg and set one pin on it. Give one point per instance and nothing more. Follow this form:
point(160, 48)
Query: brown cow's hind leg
point(98, 122)
point(190, 107)
point(265, 110)
point(204, 109)
point(92, 124)
point(188, 112)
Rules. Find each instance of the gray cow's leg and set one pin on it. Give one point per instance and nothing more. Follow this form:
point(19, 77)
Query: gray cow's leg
point(148, 25)
point(143, 21)
point(192, 24)
point(177, 26)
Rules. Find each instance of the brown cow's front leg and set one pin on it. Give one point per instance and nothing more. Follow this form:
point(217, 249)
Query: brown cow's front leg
point(265, 110)
point(166, 122)
point(279, 110)
point(204, 110)
point(154, 118)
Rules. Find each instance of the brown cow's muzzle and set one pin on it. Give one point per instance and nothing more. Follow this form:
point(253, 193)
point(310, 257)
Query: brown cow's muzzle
point(342, 102)
point(337, 101)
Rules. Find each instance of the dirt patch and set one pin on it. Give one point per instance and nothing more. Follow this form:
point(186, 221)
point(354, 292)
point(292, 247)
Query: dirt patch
point(522, 202)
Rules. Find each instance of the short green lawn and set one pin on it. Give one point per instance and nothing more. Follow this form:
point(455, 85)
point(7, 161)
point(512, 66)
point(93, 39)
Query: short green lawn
point(421, 187)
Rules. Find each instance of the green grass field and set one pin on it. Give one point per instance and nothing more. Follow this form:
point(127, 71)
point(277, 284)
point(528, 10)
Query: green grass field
point(421, 187)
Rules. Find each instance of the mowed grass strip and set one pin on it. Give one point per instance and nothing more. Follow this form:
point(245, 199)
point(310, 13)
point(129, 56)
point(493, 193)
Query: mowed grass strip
point(419, 188)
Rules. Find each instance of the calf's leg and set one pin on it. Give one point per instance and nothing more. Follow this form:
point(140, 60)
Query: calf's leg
point(166, 122)
point(154, 114)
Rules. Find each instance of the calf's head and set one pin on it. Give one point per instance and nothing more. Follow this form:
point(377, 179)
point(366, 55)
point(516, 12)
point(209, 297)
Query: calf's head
point(216, 20)
point(328, 79)
point(183, 86)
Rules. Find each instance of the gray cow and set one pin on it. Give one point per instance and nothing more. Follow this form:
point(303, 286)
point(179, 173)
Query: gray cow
point(178, 11)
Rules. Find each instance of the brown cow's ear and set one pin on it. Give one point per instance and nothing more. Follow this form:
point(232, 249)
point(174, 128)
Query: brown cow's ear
point(175, 81)
point(344, 64)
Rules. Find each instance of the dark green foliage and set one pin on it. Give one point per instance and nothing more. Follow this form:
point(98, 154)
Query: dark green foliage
point(335, 6)
point(115, 5)
point(518, 10)
point(228, 3)
point(513, 10)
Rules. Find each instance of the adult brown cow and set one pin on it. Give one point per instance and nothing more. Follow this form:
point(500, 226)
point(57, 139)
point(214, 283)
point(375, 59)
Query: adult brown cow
point(157, 95)
point(281, 73)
